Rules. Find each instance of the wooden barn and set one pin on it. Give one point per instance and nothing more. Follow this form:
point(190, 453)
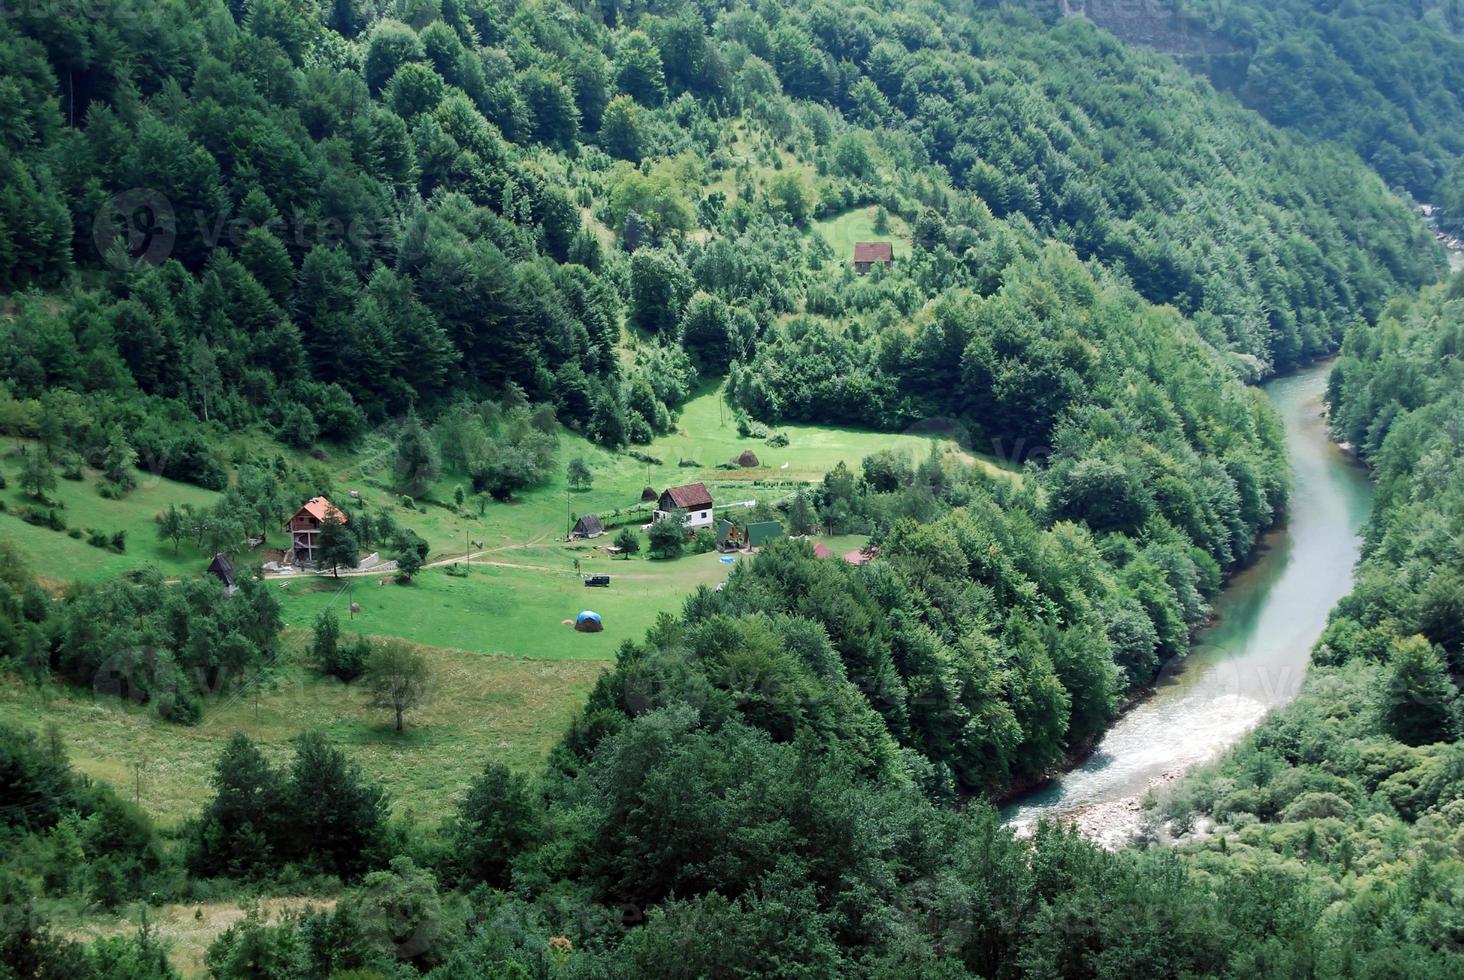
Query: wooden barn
point(588, 526)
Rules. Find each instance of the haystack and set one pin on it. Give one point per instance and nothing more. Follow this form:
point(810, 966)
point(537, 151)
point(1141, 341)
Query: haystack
point(748, 459)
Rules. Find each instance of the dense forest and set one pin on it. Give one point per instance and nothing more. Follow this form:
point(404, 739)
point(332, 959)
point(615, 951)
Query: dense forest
point(316, 220)
point(1384, 79)
point(467, 223)
point(1356, 788)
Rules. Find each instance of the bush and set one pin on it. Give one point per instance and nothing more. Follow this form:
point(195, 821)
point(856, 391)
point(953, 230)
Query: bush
point(778, 440)
point(703, 541)
point(668, 537)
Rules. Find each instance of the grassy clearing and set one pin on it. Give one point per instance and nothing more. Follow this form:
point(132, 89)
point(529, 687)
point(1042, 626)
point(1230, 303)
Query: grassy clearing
point(511, 710)
point(188, 929)
point(522, 583)
point(514, 607)
point(59, 558)
point(858, 226)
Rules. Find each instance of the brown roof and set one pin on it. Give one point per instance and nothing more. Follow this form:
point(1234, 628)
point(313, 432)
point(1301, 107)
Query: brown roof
point(821, 550)
point(874, 252)
point(320, 508)
point(857, 557)
point(693, 496)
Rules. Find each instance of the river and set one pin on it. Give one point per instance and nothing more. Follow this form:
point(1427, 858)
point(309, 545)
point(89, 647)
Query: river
point(1254, 655)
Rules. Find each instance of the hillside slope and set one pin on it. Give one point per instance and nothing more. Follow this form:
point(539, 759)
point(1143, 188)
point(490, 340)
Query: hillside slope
point(1384, 79)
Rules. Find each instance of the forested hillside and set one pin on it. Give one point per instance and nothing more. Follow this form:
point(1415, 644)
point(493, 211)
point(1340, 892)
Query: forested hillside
point(1385, 79)
point(1357, 786)
point(325, 219)
point(453, 229)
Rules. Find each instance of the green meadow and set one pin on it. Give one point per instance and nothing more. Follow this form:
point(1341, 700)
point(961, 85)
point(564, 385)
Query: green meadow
point(60, 558)
point(509, 673)
point(508, 709)
point(858, 226)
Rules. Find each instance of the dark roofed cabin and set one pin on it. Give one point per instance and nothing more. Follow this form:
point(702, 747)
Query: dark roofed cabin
point(588, 526)
point(694, 498)
point(222, 569)
point(867, 254)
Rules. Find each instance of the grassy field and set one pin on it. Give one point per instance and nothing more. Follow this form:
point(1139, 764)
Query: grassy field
point(187, 929)
point(858, 226)
point(522, 583)
point(510, 675)
point(509, 709)
point(513, 603)
point(59, 558)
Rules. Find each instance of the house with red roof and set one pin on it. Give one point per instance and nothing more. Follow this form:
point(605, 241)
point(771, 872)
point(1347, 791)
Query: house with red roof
point(693, 499)
point(869, 254)
point(304, 527)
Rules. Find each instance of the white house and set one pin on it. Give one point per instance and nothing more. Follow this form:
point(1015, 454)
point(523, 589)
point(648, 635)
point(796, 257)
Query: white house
point(694, 498)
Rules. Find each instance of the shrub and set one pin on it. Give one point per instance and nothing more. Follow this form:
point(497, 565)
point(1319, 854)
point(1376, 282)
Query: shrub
point(668, 537)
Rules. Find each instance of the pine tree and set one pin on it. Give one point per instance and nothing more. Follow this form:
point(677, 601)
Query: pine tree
point(417, 462)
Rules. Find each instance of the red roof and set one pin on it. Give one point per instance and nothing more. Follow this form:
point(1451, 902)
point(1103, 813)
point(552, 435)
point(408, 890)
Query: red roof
point(693, 496)
point(320, 508)
point(861, 557)
point(874, 252)
point(821, 550)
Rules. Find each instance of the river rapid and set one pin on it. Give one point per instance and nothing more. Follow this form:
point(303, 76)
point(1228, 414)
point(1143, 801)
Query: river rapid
point(1251, 658)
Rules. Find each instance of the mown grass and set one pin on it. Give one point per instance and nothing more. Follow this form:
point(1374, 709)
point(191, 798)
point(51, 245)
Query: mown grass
point(515, 607)
point(508, 709)
point(510, 675)
point(858, 226)
point(522, 583)
point(59, 558)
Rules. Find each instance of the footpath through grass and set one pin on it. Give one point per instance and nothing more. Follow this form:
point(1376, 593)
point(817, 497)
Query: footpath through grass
point(515, 606)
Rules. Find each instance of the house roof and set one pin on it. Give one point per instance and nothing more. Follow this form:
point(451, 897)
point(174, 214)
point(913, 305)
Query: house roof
point(857, 557)
point(821, 550)
point(222, 567)
point(320, 508)
point(589, 524)
point(693, 496)
point(874, 252)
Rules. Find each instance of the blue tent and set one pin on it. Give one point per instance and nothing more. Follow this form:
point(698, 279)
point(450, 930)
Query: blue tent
point(588, 622)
